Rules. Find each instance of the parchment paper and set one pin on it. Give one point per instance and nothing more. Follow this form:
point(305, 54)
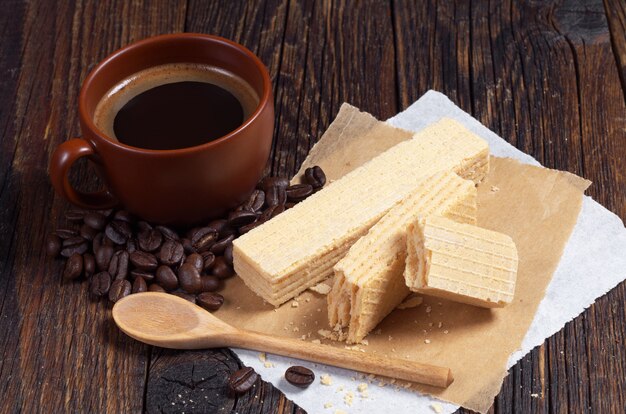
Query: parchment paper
point(537, 207)
point(592, 263)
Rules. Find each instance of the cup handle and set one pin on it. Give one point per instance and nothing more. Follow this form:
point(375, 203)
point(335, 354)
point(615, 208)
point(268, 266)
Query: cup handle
point(62, 160)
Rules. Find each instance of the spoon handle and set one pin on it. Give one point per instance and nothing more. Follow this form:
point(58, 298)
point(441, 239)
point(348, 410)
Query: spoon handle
point(359, 361)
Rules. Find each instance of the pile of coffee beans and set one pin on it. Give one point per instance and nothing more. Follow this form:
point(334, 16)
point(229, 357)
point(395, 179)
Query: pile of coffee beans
point(120, 255)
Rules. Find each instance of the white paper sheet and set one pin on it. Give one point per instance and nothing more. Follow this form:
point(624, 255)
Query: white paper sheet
point(593, 263)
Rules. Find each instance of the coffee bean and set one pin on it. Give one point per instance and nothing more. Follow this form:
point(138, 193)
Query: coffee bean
point(103, 257)
point(95, 220)
point(191, 298)
point(123, 215)
point(210, 301)
point(315, 176)
point(228, 254)
point(218, 225)
point(66, 233)
point(219, 246)
point(189, 278)
point(155, 288)
point(171, 252)
point(119, 288)
point(89, 265)
point(73, 267)
point(228, 231)
point(221, 269)
point(149, 240)
point(269, 182)
point(271, 212)
point(100, 283)
point(168, 233)
point(275, 196)
point(96, 243)
point(131, 245)
point(144, 226)
point(208, 258)
point(203, 238)
point(298, 192)
point(73, 245)
point(289, 205)
point(106, 213)
point(87, 232)
point(187, 246)
point(242, 380)
point(75, 215)
point(241, 218)
point(143, 261)
point(299, 376)
point(210, 284)
point(196, 261)
point(53, 245)
point(255, 201)
point(139, 285)
point(118, 231)
point(166, 278)
point(148, 277)
point(118, 266)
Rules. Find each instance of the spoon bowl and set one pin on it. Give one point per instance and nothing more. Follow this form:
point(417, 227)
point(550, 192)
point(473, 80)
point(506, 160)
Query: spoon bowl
point(168, 321)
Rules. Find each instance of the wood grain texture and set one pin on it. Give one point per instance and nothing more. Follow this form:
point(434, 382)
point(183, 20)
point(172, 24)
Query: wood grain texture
point(547, 76)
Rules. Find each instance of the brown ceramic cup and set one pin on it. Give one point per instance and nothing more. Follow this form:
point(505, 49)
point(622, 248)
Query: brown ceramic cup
point(182, 186)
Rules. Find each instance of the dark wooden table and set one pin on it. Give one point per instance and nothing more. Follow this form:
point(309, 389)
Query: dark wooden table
point(548, 76)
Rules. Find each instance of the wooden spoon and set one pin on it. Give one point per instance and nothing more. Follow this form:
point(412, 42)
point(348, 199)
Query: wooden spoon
point(171, 322)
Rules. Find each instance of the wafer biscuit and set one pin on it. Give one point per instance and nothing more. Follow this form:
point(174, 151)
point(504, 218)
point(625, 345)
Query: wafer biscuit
point(369, 280)
point(461, 262)
point(297, 249)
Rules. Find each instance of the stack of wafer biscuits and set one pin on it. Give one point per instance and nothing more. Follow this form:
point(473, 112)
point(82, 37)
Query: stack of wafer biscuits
point(298, 248)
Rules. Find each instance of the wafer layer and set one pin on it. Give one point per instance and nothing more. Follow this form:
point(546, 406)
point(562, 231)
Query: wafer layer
point(461, 262)
point(369, 280)
point(298, 248)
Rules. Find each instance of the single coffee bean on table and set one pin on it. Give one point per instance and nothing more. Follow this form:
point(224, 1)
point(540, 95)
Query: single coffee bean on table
point(139, 285)
point(53, 245)
point(203, 238)
point(73, 267)
point(196, 261)
point(189, 278)
point(143, 261)
point(100, 284)
point(166, 277)
point(95, 220)
point(315, 176)
point(103, 256)
point(74, 245)
point(171, 252)
point(255, 202)
point(120, 288)
point(241, 381)
point(150, 240)
point(118, 231)
point(299, 376)
point(210, 301)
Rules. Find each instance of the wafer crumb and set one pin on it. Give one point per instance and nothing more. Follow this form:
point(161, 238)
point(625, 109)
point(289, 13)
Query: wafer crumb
point(365, 342)
point(296, 329)
point(295, 304)
point(436, 407)
point(494, 189)
point(362, 387)
point(426, 341)
point(262, 357)
point(340, 412)
point(534, 395)
point(412, 301)
point(268, 365)
point(348, 398)
point(328, 405)
point(439, 325)
point(326, 380)
point(428, 309)
point(316, 341)
point(390, 338)
point(321, 288)
point(445, 331)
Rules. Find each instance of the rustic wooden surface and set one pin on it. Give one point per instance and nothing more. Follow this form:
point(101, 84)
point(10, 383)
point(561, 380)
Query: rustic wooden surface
point(548, 76)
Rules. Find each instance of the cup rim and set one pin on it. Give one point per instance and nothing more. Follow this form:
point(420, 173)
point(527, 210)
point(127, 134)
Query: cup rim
point(87, 121)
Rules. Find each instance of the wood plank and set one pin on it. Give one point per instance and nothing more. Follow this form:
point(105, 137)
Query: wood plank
point(63, 353)
point(615, 11)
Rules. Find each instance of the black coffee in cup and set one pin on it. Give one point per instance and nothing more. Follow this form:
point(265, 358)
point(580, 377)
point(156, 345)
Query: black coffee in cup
point(175, 106)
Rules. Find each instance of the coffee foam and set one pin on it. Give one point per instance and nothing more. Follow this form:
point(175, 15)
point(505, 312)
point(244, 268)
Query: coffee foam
point(127, 89)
